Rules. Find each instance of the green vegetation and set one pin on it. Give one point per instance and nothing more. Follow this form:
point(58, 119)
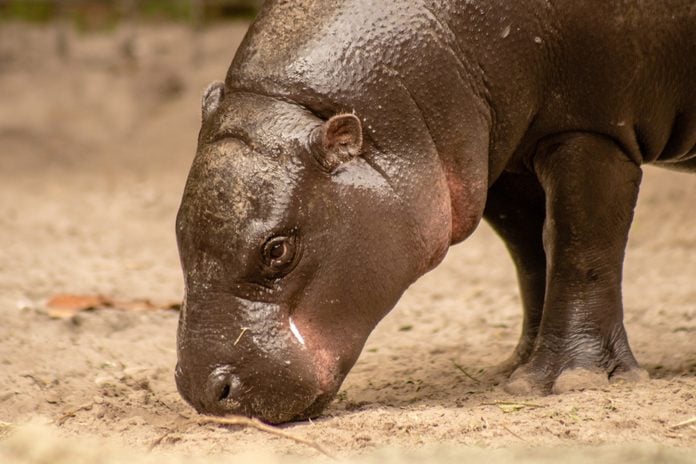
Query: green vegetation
point(104, 14)
point(27, 10)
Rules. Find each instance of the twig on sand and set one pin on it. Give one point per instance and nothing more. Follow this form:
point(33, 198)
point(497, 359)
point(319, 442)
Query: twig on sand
point(258, 425)
point(683, 423)
point(513, 433)
point(159, 440)
point(85, 407)
point(169, 432)
point(507, 406)
point(463, 371)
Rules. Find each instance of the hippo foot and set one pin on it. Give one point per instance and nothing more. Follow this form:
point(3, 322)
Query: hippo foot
point(552, 372)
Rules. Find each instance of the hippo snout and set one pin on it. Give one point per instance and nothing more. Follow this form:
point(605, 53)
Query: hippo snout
point(274, 378)
point(224, 392)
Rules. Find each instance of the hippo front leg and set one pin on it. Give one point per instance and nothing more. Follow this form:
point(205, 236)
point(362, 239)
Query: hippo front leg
point(591, 188)
point(515, 209)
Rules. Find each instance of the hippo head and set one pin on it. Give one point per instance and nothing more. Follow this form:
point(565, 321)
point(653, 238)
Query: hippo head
point(293, 247)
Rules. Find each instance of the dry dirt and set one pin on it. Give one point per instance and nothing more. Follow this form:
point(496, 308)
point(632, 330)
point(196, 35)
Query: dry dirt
point(94, 150)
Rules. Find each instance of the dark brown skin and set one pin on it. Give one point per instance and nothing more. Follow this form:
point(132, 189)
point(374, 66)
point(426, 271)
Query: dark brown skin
point(354, 141)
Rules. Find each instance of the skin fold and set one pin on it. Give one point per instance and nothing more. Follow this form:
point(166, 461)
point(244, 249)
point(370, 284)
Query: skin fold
point(354, 141)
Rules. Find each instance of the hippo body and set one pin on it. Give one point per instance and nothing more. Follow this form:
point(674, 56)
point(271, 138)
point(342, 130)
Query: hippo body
point(354, 141)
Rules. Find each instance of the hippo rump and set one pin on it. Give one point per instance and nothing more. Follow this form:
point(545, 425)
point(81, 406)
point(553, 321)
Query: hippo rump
point(354, 141)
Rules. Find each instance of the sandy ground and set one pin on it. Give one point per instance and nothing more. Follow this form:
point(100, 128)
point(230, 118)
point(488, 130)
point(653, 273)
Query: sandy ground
point(94, 150)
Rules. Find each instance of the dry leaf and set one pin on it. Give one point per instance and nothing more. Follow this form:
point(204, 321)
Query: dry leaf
point(144, 305)
point(65, 306)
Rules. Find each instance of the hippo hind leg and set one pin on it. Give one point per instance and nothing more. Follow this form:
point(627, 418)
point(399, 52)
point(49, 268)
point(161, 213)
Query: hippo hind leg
point(591, 189)
point(515, 209)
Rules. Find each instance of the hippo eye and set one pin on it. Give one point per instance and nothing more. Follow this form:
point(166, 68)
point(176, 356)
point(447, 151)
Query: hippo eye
point(278, 253)
point(278, 250)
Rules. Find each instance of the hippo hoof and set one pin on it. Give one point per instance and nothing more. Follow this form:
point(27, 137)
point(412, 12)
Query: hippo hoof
point(527, 381)
point(547, 370)
point(523, 383)
point(579, 379)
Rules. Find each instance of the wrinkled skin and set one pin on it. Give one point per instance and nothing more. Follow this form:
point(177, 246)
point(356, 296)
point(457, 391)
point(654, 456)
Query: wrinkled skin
point(354, 141)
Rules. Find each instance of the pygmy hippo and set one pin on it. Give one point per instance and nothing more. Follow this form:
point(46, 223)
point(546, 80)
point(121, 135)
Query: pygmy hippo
point(354, 141)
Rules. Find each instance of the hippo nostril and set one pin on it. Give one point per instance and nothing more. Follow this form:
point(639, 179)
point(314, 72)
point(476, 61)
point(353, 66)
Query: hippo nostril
point(223, 388)
point(225, 392)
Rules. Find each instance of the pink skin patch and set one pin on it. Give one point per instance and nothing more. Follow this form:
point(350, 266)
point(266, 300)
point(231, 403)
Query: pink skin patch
point(467, 203)
point(325, 362)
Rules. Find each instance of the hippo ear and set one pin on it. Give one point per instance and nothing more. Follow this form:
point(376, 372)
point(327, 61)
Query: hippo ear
point(212, 97)
point(338, 140)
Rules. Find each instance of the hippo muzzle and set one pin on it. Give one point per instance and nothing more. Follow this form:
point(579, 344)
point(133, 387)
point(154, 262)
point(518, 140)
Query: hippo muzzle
point(260, 364)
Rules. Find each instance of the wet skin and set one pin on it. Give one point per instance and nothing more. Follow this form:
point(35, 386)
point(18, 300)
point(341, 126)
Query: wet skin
point(353, 142)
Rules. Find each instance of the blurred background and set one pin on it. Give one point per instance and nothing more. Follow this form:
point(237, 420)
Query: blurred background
point(102, 13)
point(99, 113)
point(104, 16)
